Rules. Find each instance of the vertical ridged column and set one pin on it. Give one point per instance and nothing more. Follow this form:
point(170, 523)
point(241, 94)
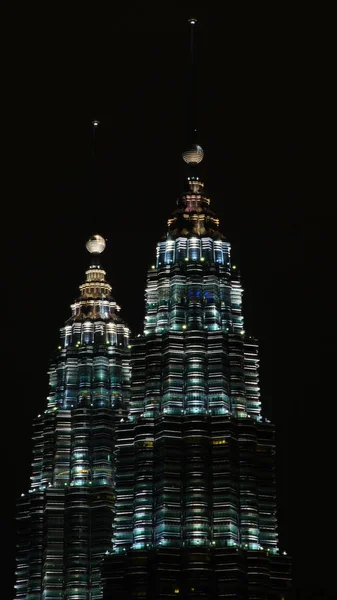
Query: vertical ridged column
point(251, 372)
point(49, 434)
point(71, 378)
point(236, 302)
point(168, 515)
point(23, 547)
point(177, 300)
point(173, 384)
point(101, 396)
point(151, 296)
point(162, 318)
point(225, 468)
point(53, 544)
point(153, 375)
point(85, 372)
point(196, 481)
point(103, 443)
point(195, 363)
point(36, 550)
point(81, 446)
point(212, 304)
point(38, 456)
point(266, 486)
point(237, 375)
point(248, 485)
point(62, 447)
point(125, 487)
point(137, 402)
point(78, 544)
point(217, 373)
point(102, 506)
point(144, 483)
point(194, 297)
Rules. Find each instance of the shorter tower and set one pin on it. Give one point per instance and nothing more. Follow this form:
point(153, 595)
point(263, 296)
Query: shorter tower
point(65, 519)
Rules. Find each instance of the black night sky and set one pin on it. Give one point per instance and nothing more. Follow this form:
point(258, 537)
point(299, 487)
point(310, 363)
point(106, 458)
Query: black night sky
point(259, 118)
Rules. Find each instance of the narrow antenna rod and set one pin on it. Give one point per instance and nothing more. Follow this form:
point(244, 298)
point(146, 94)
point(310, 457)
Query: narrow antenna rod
point(194, 153)
point(193, 86)
point(94, 169)
point(95, 124)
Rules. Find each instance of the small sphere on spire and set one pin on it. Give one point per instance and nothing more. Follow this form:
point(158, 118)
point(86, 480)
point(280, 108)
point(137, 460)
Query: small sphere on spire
point(192, 21)
point(96, 244)
point(194, 155)
point(95, 123)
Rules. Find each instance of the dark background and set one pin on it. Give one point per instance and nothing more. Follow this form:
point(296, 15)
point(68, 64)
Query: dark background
point(263, 114)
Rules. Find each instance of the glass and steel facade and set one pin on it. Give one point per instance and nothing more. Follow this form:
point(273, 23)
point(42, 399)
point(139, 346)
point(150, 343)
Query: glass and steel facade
point(65, 519)
point(195, 480)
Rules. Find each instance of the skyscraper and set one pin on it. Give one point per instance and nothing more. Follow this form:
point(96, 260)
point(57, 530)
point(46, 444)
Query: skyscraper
point(195, 513)
point(195, 508)
point(65, 519)
point(162, 468)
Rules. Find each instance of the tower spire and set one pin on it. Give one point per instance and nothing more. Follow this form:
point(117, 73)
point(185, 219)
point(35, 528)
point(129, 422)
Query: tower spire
point(95, 124)
point(94, 168)
point(194, 154)
point(193, 86)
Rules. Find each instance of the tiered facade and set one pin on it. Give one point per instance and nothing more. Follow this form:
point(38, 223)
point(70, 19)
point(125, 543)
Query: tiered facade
point(66, 517)
point(195, 509)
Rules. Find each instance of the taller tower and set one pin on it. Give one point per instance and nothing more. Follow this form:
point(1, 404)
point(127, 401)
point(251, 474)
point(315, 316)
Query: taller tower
point(66, 517)
point(195, 483)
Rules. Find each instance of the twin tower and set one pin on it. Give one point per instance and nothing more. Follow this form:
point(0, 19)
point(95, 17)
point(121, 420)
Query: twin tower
point(153, 471)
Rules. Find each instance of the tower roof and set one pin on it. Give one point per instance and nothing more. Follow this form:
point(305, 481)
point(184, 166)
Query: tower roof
point(95, 301)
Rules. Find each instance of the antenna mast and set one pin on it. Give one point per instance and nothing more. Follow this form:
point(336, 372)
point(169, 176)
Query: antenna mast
point(194, 153)
point(95, 124)
point(193, 86)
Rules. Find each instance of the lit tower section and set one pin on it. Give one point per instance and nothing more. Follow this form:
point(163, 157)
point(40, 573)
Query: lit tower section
point(195, 481)
point(65, 520)
point(194, 367)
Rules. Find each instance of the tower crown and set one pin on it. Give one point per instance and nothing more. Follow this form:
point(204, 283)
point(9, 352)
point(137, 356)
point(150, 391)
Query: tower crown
point(95, 301)
point(193, 214)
